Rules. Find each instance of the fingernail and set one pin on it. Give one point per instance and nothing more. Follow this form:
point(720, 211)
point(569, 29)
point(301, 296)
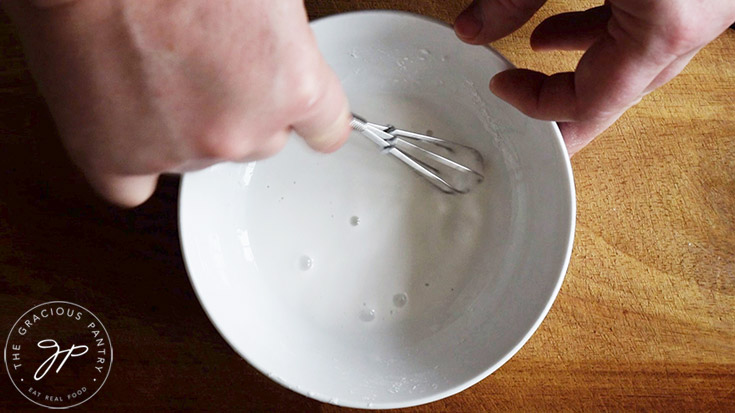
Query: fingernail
point(493, 82)
point(468, 26)
point(494, 85)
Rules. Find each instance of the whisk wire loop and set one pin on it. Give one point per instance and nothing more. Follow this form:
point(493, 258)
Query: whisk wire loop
point(451, 167)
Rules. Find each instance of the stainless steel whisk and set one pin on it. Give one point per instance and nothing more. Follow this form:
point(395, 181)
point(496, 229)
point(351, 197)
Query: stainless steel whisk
point(452, 167)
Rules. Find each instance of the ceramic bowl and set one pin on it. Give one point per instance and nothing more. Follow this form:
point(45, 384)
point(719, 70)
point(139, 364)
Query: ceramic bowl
point(351, 280)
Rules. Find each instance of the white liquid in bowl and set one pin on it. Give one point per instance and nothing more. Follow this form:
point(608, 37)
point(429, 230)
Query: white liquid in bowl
point(333, 235)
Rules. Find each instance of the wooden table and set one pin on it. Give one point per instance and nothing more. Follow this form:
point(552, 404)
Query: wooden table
point(645, 319)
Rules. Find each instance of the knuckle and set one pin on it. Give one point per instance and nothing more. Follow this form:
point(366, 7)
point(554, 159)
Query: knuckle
point(682, 32)
point(591, 112)
point(680, 40)
point(274, 145)
point(307, 88)
point(220, 140)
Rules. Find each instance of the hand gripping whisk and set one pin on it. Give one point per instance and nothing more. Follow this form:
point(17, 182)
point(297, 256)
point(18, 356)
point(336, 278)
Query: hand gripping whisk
point(452, 167)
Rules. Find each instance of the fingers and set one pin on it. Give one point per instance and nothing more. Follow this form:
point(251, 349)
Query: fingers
point(536, 94)
point(571, 31)
point(326, 124)
point(578, 134)
point(487, 20)
point(549, 98)
point(610, 77)
point(673, 69)
point(124, 190)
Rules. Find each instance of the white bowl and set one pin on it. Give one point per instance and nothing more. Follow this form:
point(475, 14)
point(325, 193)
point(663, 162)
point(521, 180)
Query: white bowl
point(350, 279)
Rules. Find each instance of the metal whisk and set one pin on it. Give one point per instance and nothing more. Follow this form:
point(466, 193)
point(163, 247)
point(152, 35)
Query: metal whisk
point(452, 167)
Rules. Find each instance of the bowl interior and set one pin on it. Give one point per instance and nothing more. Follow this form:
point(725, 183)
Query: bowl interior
point(347, 277)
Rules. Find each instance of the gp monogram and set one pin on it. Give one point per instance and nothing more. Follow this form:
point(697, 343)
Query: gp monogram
point(58, 354)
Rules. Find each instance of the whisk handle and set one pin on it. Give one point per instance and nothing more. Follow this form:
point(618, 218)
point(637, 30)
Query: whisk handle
point(358, 123)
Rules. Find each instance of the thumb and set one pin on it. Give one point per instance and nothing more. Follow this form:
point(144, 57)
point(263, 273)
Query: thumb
point(124, 190)
point(485, 21)
point(326, 125)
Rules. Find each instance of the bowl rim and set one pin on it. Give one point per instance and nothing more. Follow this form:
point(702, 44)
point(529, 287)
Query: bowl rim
point(490, 369)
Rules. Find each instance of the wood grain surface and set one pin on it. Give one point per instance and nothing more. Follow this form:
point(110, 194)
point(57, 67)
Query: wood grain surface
point(644, 321)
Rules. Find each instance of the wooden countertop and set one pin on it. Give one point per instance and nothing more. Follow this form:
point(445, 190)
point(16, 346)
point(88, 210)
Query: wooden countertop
point(644, 321)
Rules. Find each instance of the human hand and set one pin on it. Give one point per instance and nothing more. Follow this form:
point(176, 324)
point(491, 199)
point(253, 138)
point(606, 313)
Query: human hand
point(142, 87)
point(632, 47)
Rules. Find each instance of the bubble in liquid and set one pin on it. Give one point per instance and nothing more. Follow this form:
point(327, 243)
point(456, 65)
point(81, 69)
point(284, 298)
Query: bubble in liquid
point(367, 315)
point(305, 263)
point(355, 221)
point(400, 299)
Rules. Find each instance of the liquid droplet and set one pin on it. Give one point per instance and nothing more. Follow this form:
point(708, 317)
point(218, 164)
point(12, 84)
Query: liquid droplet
point(355, 221)
point(305, 263)
point(400, 300)
point(367, 315)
